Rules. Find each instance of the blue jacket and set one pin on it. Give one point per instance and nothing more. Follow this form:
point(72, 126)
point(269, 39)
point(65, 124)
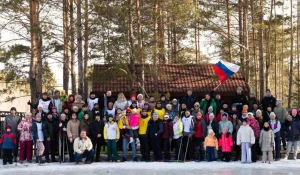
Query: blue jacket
point(8, 141)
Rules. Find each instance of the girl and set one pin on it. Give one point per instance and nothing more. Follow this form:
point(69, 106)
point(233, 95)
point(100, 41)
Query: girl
point(275, 125)
point(111, 135)
point(236, 122)
point(24, 128)
point(134, 125)
point(210, 144)
point(253, 123)
point(200, 133)
point(85, 124)
point(167, 136)
point(38, 137)
point(226, 143)
point(73, 133)
point(210, 112)
point(177, 130)
point(266, 142)
point(245, 138)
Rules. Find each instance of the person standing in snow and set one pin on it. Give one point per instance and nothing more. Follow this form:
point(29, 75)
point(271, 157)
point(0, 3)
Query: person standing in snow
point(281, 114)
point(73, 133)
point(253, 123)
point(177, 130)
point(293, 136)
point(154, 131)
point(45, 101)
point(188, 122)
point(200, 133)
point(8, 143)
point(266, 142)
point(151, 102)
point(236, 123)
point(143, 124)
point(91, 101)
point(276, 126)
point(132, 98)
point(111, 135)
point(50, 130)
point(245, 138)
point(38, 137)
point(210, 145)
point(167, 136)
point(226, 143)
point(96, 130)
point(25, 129)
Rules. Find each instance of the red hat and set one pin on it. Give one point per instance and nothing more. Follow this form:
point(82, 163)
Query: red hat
point(128, 111)
point(133, 95)
point(244, 111)
point(8, 127)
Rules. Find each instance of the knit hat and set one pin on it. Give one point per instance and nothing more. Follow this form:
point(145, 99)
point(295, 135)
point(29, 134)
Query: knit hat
point(168, 105)
point(280, 101)
point(174, 100)
point(250, 113)
point(13, 109)
point(146, 103)
point(210, 108)
point(166, 115)
point(272, 114)
point(224, 114)
point(140, 95)
point(258, 111)
point(40, 106)
point(198, 104)
point(251, 93)
point(110, 116)
point(254, 103)
point(294, 111)
point(132, 95)
point(233, 105)
point(239, 89)
point(75, 107)
point(154, 114)
point(134, 102)
point(244, 111)
point(8, 127)
point(289, 116)
point(92, 93)
point(211, 115)
point(78, 96)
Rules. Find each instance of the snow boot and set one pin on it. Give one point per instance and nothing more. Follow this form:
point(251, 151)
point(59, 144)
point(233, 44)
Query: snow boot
point(137, 141)
point(131, 140)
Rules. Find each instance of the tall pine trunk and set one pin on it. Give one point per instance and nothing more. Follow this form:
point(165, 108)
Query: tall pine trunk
point(245, 39)
point(228, 30)
point(261, 51)
point(241, 31)
point(291, 59)
point(86, 47)
point(155, 10)
point(132, 47)
point(268, 60)
point(72, 46)
point(298, 49)
point(79, 48)
point(35, 72)
point(66, 61)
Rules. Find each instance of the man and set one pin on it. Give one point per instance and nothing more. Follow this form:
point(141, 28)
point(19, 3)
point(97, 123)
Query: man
point(50, 130)
point(188, 122)
point(189, 99)
point(219, 102)
point(252, 100)
point(13, 120)
point(96, 130)
point(56, 101)
point(92, 100)
point(239, 99)
point(281, 114)
point(83, 148)
point(268, 100)
point(108, 98)
point(154, 131)
point(206, 103)
point(45, 101)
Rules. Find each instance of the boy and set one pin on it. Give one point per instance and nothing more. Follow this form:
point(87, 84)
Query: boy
point(7, 144)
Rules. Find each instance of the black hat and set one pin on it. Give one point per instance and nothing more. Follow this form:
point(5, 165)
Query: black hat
point(92, 93)
point(188, 110)
point(13, 109)
point(134, 102)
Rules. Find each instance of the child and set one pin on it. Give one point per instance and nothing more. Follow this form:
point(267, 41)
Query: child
point(266, 142)
point(134, 124)
point(236, 123)
point(119, 114)
point(7, 144)
point(200, 132)
point(275, 125)
point(111, 136)
point(226, 143)
point(245, 137)
point(209, 112)
point(167, 136)
point(210, 144)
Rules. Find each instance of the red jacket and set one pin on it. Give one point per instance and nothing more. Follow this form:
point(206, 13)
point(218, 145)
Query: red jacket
point(167, 130)
point(200, 128)
point(226, 143)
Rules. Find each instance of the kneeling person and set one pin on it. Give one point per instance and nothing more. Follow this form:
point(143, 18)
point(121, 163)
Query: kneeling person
point(83, 148)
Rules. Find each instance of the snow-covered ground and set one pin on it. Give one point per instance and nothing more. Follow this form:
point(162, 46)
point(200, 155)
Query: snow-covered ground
point(157, 168)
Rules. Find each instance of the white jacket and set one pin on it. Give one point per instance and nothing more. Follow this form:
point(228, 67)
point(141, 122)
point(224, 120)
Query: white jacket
point(81, 145)
point(245, 135)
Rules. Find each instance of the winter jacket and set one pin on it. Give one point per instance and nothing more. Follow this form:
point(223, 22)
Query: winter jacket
point(25, 129)
point(188, 125)
point(134, 121)
point(160, 112)
point(164, 103)
point(211, 141)
point(266, 116)
point(68, 104)
point(143, 124)
point(46, 103)
point(152, 105)
point(268, 101)
point(171, 114)
point(205, 104)
point(167, 130)
point(13, 121)
point(253, 123)
point(280, 113)
point(176, 108)
point(251, 101)
point(43, 115)
point(236, 123)
point(57, 103)
point(266, 140)
point(78, 104)
point(189, 101)
point(81, 114)
point(80, 145)
point(96, 128)
point(121, 104)
point(239, 100)
point(73, 129)
point(292, 134)
point(276, 126)
point(50, 129)
point(123, 122)
point(155, 129)
point(94, 112)
point(85, 125)
point(200, 128)
point(35, 131)
point(260, 121)
point(225, 123)
point(207, 118)
point(219, 104)
point(177, 129)
point(108, 99)
point(226, 143)
point(214, 126)
point(8, 141)
point(245, 135)
point(111, 131)
point(195, 111)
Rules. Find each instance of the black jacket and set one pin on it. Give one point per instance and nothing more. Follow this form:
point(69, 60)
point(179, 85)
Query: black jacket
point(35, 130)
point(268, 101)
point(266, 116)
point(96, 128)
point(189, 101)
point(293, 133)
point(50, 129)
point(251, 101)
point(215, 128)
point(240, 101)
point(154, 127)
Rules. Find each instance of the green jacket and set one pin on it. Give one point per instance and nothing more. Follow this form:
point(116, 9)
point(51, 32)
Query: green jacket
point(81, 115)
point(203, 106)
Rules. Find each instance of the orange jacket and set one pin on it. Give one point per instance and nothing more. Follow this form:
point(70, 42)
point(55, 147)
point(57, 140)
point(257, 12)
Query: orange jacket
point(211, 141)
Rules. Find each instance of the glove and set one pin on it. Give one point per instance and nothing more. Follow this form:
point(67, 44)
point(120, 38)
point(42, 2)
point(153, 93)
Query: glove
point(29, 102)
point(227, 134)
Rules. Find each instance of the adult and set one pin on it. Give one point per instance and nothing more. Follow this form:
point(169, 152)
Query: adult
point(83, 148)
point(50, 130)
point(188, 122)
point(109, 97)
point(266, 142)
point(154, 131)
point(189, 99)
point(170, 112)
point(140, 100)
point(252, 100)
point(56, 101)
point(295, 114)
point(45, 101)
point(175, 105)
point(68, 104)
point(151, 102)
point(219, 102)
point(293, 136)
point(85, 124)
point(259, 118)
point(267, 113)
point(281, 114)
point(159, 110)
point(25, 129)
point(63, 129)
point(196, 109)
point(163, 100)
point(200, 133)
point(13, 120)
point(78, 102)
point(225, 123)
point(253, 123)
point(38, 137)
point(41, 112)
point(239, 99)
point(268, 100)
point(132, 98)
point(167, 136)
point(73, 133)
point(96, 131)
point(275, 125)
point(177, 130)
point(208, 102)
point(92, 100)
point(121, 102)
point(144, 140)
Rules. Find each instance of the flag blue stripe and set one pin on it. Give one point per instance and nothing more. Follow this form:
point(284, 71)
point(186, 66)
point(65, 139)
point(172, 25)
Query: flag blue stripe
point(227, 71)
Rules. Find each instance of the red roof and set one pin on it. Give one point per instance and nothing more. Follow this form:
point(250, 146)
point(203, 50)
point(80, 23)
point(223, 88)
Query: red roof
point(172, 78)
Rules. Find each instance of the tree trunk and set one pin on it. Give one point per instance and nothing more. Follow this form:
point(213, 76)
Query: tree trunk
point(175, 56)
point(132, 50)
point(86, 47)
point(35, 72)
point(291, 59)
point(275, 51)
point(66, 31)
point(161, 32)
point(155, 31)
point(72, 42)
point(268, 60)
point(169, 31)
point(298, 49)
point(261, 51)
point(245, 40)
point(79, 45)
point(254, 47)
point(228, 30)
point(240, 8)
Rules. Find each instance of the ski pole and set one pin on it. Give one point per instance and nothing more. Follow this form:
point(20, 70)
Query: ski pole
point(187, 145)
point(179, 149)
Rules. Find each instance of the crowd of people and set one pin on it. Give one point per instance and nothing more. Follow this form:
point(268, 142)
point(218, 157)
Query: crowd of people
point(253, 129)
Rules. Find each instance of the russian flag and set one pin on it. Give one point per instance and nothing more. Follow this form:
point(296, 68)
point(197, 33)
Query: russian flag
point(224, 70)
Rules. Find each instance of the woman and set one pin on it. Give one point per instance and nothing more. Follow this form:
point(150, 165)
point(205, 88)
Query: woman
point(259, 118)
point(121, 102)
point(24, 128)
point(236, 123)
point(159, 110)
point(85, 124)
point(275, 125)
point(68, 104)
point(196, 109)
point(170, 112)
point(73, 133)
point(177, 131)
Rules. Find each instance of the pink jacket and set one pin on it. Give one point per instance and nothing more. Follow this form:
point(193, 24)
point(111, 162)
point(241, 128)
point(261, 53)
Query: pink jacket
point(226, 143)
point(134, 121)
point(253, 123)
point(24, 128)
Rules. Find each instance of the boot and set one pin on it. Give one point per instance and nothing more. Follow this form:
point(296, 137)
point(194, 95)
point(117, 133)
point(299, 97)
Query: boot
point(41, 161)
point(131, 140)
point(137, 141)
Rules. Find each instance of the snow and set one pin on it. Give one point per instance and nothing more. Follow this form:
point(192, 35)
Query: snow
point(156, 168)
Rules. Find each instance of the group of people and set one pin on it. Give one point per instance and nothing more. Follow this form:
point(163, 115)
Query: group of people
point(251, 128)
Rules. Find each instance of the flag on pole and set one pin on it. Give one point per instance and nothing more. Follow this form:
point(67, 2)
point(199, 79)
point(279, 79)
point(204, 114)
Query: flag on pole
point(224, 70)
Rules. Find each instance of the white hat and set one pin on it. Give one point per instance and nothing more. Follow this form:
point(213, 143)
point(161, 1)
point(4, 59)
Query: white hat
point(174, 100)
point(272, 113)
point(210, 131)
point(140, 95)
point(166, 116)
point(40, 106)
point(211, 115)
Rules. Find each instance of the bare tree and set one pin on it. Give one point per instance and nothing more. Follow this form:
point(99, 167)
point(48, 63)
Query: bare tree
point(291, 59)
point(66, 33)
point(79, 46)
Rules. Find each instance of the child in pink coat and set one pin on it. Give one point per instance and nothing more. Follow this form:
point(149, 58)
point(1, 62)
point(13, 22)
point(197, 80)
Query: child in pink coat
point(226, 143)
point(134, 124)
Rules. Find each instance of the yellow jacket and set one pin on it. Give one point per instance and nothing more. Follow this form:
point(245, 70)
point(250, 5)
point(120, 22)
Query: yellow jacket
point(80, 146)
point(160, 113)
point(123, 119)
point(111, 131)
point(211, 141)
point(143, 125)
